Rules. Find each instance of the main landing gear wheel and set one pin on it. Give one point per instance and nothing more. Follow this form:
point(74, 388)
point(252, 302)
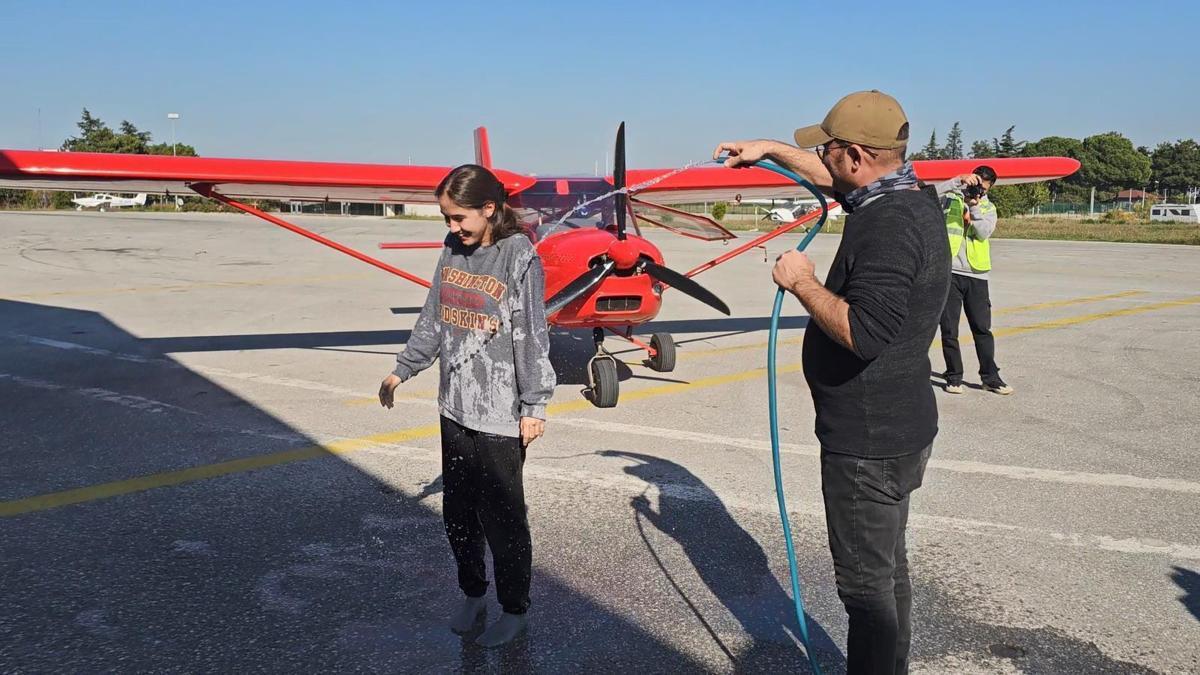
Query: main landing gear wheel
point(664, 352)
point(605, 385)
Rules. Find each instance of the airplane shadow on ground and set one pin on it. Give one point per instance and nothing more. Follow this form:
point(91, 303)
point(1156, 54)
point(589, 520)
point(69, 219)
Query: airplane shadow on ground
point(366, 338)
point(725, 327)
point(297, 566)
point(1189, 582)
point(570, 350)
point(731, 564)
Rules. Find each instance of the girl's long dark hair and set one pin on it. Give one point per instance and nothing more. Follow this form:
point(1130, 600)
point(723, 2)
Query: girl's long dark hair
point(472, 186)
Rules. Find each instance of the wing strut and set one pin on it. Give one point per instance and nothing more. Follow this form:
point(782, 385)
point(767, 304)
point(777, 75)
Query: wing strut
point(208, 190)
point(758, 241)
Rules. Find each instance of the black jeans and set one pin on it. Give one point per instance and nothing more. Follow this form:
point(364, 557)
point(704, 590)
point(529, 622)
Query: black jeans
point(483, 505)
point(971, 295)
point(866, 512)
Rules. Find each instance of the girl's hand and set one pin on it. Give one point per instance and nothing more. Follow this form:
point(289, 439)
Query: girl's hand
point(387, 391)
point(531, 429)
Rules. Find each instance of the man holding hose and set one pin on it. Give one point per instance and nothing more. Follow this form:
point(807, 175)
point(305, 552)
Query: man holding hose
point(866, 354)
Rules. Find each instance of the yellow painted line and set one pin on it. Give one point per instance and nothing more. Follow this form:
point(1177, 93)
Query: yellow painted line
point(272, 281)
point(1087, 318)
point(1066, 303)
point(1082, 318)
point(684, 353)
point(170, 478)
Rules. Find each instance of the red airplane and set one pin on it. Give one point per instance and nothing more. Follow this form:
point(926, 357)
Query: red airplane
point(599, 274)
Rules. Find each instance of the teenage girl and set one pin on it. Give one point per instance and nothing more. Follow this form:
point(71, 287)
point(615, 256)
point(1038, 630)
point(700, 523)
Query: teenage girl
point(485, 321)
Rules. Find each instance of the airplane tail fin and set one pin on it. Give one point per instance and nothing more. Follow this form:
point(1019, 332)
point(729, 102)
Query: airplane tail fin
point(483, 150)
point(140, 199)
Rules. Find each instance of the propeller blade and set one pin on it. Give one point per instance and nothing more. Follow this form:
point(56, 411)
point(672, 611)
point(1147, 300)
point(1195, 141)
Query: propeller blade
point(676, 280)
point(622, 201)
point(580, 287)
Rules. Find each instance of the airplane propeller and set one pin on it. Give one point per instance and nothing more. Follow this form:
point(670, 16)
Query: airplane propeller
point(623, 255)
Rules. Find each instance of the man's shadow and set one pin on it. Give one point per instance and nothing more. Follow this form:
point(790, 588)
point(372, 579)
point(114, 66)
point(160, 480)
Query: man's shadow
point(1189, 581)
point(731, 563)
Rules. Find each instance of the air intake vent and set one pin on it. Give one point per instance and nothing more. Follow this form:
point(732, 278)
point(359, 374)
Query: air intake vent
point(619, 303)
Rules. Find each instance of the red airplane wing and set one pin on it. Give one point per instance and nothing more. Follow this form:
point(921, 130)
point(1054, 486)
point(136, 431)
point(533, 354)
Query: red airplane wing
point(713, 183)
point(235, 178)
point(1009, 170)
point(717, 183)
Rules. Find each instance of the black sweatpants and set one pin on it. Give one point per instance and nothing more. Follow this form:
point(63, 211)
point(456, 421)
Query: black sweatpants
point(483, 505)
point(970, 294)
point(866, 513)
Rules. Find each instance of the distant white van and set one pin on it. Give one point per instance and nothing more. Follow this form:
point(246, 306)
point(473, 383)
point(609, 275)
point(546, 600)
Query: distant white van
point(1180, 213)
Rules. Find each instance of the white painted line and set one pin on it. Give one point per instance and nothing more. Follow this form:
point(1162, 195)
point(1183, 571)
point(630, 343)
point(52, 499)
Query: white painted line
point(290, 382)
point(631, 486)
point(957, 466)
point(142, 404)
point(71, 346)
point(124, 400)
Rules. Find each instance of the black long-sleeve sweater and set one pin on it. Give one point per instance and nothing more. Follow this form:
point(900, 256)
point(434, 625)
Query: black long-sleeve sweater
point(893, 269)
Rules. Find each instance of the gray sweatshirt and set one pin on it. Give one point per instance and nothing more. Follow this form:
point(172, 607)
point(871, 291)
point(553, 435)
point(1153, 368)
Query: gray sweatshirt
point(983, 224)
point(485, 319)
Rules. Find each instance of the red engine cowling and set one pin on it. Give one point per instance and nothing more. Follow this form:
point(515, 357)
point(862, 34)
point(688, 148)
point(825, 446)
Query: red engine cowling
point(626, 297)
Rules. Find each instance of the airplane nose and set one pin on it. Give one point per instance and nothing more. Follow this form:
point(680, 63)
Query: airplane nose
point(624, 253)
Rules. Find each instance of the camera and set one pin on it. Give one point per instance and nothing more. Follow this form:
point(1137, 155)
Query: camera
point(972, 192)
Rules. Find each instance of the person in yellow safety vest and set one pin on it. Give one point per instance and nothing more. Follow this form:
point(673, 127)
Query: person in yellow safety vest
point(970, 222)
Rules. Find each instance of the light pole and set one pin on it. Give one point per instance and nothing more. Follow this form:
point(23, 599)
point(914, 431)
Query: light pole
point(172, 117)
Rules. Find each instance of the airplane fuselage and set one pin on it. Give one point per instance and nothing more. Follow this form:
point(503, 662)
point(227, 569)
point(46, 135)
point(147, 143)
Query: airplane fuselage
point(571, 238)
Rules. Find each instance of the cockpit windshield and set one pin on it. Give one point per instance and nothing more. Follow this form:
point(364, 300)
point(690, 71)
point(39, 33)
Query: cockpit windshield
point(551, 206)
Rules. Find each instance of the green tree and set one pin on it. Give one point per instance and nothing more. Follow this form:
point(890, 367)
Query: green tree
point(981, 150)
point(1111, 163)
point(1013, 200)
point(96, 136)
point(181, 150)
point(1007, 145)
point(1071, 188)
point(719, 209)
point(931, 149)
point(953, 149)
point(131, 141)
point(1176, 166)
point(11, 198)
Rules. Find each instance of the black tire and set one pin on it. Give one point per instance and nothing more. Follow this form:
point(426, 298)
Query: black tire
point(606, 387)
point(664, 358)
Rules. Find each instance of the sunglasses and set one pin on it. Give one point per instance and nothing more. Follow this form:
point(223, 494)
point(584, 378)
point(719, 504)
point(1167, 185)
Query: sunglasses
point(823, 149)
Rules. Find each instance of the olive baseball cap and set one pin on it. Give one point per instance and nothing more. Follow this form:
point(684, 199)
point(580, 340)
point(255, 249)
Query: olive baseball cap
point(870, 118)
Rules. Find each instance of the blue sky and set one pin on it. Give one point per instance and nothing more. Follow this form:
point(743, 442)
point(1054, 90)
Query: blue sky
point(398, 81)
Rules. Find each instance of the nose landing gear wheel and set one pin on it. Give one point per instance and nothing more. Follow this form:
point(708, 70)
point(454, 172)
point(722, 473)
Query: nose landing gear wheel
point(605, 385)
point(664, 352)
